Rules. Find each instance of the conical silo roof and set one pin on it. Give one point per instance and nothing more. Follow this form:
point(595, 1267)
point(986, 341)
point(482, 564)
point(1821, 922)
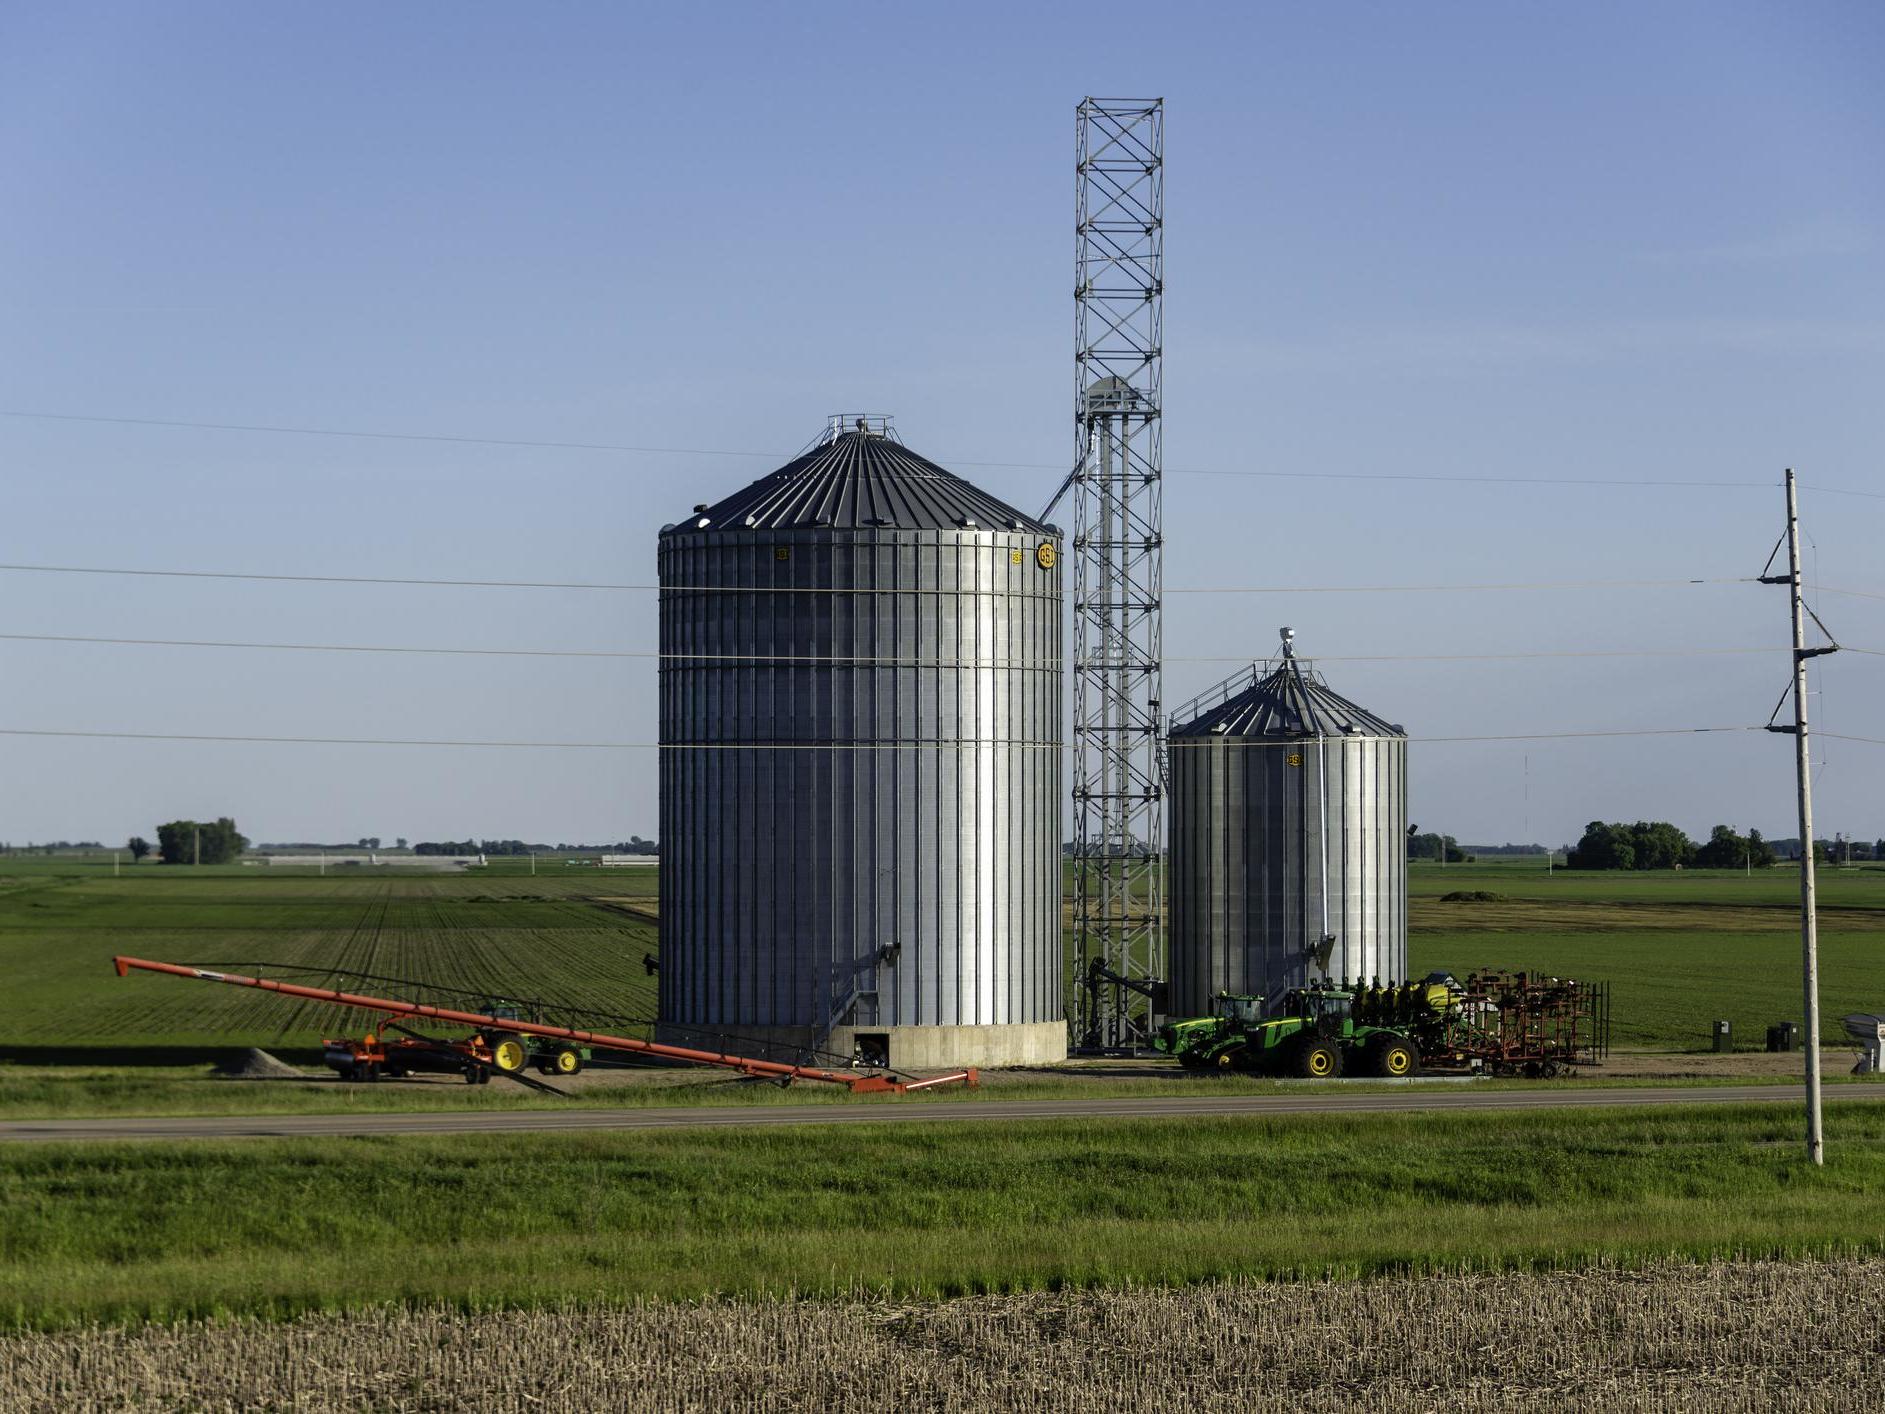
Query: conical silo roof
point(859, 479)
point(1291, 701)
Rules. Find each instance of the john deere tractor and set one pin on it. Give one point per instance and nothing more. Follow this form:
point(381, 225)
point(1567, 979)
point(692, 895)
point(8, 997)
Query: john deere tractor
point(1317, 1032)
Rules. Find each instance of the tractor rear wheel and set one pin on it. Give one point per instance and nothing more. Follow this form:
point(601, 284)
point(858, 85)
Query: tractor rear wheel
point(1317, 1059)
point(509, 1053)
point(1393, 1058)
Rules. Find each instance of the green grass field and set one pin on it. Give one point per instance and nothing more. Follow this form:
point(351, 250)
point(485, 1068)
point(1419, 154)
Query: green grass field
point(553, 936)
point(128, 1232)
point(1681, 949)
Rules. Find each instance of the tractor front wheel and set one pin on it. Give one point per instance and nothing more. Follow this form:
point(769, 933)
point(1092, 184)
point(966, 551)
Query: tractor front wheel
point(1394, 1059)
point(1316, 1059)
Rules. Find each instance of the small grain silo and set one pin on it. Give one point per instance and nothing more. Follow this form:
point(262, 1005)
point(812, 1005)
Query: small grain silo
point(861, 697)
point(1288, 826)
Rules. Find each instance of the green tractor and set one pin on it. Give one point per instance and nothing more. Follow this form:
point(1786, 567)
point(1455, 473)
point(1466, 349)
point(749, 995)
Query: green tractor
point(1317, 1032)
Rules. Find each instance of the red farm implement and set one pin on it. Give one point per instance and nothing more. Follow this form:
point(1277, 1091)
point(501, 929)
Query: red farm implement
point(1518, 1023)
point(506, 1041)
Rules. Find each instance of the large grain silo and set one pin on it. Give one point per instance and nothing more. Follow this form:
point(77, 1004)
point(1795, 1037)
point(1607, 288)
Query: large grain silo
point(861, 689)
point(1288, 825)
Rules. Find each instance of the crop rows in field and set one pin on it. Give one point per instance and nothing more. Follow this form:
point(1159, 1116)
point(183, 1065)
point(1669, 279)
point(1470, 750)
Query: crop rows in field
point(517, 938)
point(1680, 949)
point(1726, 1337)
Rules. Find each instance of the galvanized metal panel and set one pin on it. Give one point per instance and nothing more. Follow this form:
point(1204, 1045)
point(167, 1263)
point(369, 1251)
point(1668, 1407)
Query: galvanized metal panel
point(1246, 869)
point(873, 762)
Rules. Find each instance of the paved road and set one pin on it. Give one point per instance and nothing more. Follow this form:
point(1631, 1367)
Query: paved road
point(1545, 1097)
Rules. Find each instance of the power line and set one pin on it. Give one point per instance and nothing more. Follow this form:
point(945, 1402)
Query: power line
point(1056, 467)
point(866, 659)
point(870, 589)
point(1842, 491)
point(969, 745)
point(1455, 588)
point(383, 436)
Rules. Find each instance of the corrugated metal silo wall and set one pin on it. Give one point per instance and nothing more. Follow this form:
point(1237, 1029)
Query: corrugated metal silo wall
point(1246, 861)
point(783, 869)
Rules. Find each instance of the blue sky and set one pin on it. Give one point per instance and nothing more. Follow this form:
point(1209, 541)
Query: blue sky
point(1628, 242)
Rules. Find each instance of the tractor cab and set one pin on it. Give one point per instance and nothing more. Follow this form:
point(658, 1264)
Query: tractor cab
point(1229, 1006)
point(1325, 1010)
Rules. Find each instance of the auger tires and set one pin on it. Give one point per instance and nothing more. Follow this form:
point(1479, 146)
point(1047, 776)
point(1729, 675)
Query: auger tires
point(509, 1054)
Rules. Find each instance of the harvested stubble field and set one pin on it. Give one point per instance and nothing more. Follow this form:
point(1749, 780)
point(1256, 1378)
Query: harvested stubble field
point(1746, 1337)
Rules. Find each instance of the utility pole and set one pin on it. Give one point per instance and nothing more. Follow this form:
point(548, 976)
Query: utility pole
point(1809, 921)
point(196, 846)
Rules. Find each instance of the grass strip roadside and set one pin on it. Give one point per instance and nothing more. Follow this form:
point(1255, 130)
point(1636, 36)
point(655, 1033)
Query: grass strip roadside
point(100, 1092)
point(123, 1233)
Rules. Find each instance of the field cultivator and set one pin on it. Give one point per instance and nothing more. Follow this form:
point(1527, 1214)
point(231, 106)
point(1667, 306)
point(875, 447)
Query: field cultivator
point(1519, 1023)
point(504, 1041)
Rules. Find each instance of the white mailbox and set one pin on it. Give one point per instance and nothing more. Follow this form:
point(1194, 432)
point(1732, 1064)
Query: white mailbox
point(1868, 1030)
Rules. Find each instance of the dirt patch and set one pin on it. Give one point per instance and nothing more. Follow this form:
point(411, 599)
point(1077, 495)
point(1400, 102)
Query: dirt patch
point(647, 908)
point(1451, 914)
point(256, 1065)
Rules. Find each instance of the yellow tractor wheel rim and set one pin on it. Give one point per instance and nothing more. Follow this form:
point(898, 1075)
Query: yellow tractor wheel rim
point(566, 1062)
point(1319, 1063)
point(1397, 1062)
point(509, 1055)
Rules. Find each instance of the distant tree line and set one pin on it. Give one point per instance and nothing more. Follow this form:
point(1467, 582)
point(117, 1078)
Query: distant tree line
point(1657, 844)
point(198, 842)
point(1836, 851)
point(1441, 848)
point(634, 844)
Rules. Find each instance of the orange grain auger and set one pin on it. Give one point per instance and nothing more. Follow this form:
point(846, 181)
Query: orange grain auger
point(486, 1050)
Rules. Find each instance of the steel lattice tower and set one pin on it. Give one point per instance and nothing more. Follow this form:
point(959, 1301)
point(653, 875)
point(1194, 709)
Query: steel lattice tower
point(1118, 783)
